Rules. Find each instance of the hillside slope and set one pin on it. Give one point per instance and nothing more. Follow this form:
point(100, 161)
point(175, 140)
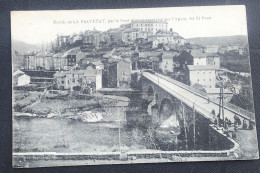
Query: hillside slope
point(218, 41)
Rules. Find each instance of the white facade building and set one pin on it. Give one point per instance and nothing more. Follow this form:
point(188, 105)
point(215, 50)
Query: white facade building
point(202, 58)
point(149, 25)
point(211, 49)
point(20, 78)
point(204, 75)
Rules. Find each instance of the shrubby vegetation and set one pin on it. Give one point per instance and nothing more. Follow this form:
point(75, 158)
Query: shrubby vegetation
point(25, 100)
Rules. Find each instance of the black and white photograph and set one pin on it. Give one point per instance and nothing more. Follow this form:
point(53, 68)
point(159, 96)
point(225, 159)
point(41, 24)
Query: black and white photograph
point(126, 86)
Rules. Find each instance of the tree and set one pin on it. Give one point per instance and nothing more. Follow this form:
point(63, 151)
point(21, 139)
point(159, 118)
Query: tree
point(160, 46)
point(244, 99)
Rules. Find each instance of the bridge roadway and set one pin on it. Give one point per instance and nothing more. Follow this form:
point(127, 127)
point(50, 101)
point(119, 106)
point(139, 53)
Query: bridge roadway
point(199, 100)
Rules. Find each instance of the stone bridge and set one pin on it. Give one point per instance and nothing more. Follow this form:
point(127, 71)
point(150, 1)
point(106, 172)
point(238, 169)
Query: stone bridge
point(165, 109)
point(168, 97)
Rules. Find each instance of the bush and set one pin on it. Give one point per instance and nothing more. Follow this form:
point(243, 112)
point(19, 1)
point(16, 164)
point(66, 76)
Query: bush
point(20, 104)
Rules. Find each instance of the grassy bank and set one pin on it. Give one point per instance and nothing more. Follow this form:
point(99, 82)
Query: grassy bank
point(23, 99)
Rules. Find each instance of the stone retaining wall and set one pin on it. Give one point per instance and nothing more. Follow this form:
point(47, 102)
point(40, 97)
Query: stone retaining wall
point(155, 154)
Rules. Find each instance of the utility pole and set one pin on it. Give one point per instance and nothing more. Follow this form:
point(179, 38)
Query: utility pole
point(221, 103)
point(119, 133)
point(185, 125)
point(158, 78)
point(194, 126)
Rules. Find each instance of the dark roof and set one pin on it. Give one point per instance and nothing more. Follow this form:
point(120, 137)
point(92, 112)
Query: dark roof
point(131, 30)
point(73, 52)
point(48, 55)
point(198, 54)
point(60, 54)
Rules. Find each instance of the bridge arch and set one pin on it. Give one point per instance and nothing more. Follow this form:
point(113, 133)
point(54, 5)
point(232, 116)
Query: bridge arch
point(168, 113)
point(165, 109)
point(150, 91)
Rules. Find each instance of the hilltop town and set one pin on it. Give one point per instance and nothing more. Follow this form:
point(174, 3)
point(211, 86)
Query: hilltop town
point(91, 60)
point(137, 91)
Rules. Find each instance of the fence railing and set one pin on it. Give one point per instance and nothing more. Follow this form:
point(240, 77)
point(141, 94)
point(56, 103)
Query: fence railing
point(244, 113)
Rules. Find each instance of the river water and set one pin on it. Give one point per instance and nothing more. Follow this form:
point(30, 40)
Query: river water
point(65, 135)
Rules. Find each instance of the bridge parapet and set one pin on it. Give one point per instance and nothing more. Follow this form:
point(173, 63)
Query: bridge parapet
point(230, 107)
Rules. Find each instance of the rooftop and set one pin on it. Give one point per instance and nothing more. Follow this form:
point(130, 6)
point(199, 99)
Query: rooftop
point(109, 53)
point(59, 74)
point(48, 55)
point(18, 72)
point(154, 58)
point(164, 31)
point(60, 54)
point(201, 67)
point(97, 63)
point(73, 52)
point(170, 55)
point(76, 72)
point(88, 72)
point(131, 30)
point(198, 54)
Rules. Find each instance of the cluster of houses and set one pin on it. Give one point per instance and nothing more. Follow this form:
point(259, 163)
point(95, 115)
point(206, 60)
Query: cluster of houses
point(77, 70)
point(154, 31)
point(50, 61)
point(239, 49)
point(88, 71)
point(90, 75)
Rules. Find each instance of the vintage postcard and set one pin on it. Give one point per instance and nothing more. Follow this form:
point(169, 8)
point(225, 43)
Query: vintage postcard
point(124, 86)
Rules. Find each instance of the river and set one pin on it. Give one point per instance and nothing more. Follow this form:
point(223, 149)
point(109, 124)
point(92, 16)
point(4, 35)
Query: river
point(66, 135)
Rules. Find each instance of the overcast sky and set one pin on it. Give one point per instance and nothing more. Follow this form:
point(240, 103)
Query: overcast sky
point(35, 27)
